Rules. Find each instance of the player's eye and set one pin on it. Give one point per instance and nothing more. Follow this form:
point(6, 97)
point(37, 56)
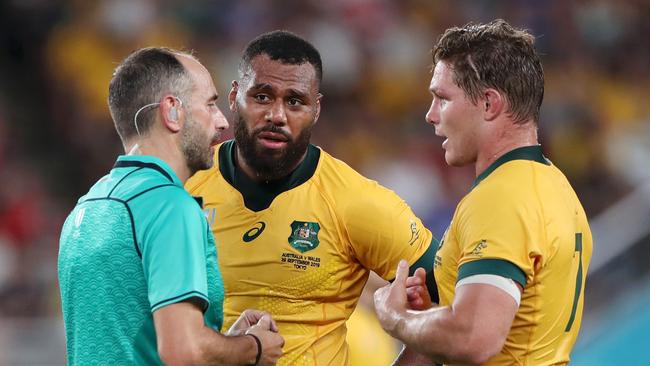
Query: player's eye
point(262, 98)
point(294, 102)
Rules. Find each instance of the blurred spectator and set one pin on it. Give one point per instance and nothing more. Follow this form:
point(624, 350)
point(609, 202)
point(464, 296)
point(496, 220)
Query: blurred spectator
point(56, 135)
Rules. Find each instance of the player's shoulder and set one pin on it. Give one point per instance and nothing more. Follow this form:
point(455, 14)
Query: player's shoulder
point(511, 179)
point(512, 187)
point(348, 186)
point(339, 175)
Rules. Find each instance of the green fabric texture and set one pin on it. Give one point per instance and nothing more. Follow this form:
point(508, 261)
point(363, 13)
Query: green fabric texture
point(134, 244)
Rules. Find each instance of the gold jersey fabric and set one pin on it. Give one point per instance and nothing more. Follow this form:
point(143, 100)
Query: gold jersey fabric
point(522, 220)
point(302, 248)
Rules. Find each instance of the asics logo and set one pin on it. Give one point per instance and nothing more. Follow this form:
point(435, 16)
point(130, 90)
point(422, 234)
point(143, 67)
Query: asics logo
point(254, 232)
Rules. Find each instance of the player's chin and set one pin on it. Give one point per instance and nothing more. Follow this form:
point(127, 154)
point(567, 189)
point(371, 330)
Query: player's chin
point(450, 158)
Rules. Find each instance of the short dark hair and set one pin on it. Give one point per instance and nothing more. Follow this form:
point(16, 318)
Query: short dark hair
point(283, 46)
point(143, 78)
point(495, 55)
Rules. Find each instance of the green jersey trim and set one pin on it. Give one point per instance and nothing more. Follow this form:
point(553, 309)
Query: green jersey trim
point(497, 267)
point(426, 261)
point(533, 153)
point(151, 162)
point(259, 196)
point(203, 299)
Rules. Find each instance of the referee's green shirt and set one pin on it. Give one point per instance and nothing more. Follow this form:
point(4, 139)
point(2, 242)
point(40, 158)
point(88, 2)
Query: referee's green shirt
point(134, 244)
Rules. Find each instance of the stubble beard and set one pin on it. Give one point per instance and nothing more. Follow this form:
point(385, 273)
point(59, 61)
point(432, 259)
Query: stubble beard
point(196, 146)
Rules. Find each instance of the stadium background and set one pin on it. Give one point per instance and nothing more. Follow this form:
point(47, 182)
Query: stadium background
point(56, 136)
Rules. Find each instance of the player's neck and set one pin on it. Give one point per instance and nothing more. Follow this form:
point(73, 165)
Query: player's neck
point(503, 141)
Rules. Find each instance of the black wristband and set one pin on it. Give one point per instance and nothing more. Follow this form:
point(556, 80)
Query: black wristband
point(259, 347)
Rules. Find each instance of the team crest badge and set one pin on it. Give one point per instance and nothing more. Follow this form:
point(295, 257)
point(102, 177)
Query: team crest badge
point(304, 235)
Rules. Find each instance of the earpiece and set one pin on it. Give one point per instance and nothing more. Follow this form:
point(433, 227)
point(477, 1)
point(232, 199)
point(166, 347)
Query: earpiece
point(173, 114)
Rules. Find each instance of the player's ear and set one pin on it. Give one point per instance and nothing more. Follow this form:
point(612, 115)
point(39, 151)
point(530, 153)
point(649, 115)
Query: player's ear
point(232, 96)
point(317, 112)
point(493, 104)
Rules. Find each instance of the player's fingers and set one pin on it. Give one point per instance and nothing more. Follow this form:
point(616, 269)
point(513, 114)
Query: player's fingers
point(413, 281)
point(410, 296)
point(254, 315)
point(421, 274)
point(416, 304)
point(402, 273)
point(274, 326)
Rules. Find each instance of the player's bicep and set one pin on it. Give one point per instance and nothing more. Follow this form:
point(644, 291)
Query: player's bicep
point(503, 237)
point(490, 309)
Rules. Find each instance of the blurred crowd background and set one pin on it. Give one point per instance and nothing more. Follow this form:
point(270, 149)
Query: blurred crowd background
point(57, 138)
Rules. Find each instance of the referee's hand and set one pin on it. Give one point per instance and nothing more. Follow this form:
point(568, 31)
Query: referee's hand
point(271, 341)
point(247, 319)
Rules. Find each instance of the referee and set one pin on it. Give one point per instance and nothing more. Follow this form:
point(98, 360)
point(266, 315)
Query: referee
point(137, 262)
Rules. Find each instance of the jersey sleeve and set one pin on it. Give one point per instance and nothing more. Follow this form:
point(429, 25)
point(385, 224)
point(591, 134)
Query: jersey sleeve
point(499, 233)
point(173, 246)
point(383, 229)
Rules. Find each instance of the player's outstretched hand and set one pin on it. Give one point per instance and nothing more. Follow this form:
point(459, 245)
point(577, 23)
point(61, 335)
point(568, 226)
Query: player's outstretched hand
point(391, 301)
point(417, 293)
point(271, 341)
point(246, 320)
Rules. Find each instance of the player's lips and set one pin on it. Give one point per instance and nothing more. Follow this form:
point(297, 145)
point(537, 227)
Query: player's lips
point(272, 140)
point(444, 143)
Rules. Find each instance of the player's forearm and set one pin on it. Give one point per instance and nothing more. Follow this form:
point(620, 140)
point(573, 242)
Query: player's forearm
point(440, 334)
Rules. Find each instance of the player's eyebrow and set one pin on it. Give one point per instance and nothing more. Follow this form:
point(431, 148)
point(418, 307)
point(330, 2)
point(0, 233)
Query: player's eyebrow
point(435, 91)
point(262, 87)
point(213, 98)
point(297, 93)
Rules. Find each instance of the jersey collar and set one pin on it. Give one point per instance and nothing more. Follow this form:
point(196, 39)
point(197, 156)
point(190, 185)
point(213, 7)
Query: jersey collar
point(258, 196)
point(532, 153)
point(150, 162)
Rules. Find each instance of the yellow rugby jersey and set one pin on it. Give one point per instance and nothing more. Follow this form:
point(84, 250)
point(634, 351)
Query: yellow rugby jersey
point(302, 248)
point(522, 220)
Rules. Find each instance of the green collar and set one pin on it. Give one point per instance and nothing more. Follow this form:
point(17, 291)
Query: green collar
point(258, 196)
point(151, 162)
point(533, 153)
